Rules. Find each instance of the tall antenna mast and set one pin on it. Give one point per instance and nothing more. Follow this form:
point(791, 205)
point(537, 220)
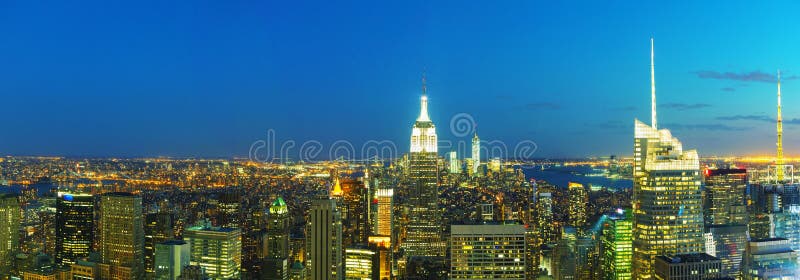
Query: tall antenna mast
point(653, 121)
point(779, 159)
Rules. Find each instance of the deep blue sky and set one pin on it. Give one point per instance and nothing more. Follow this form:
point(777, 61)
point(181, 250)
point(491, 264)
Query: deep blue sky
point(207, 78)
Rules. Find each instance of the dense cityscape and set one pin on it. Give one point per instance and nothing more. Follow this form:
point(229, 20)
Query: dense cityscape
point(662, 213)
point(399, 140)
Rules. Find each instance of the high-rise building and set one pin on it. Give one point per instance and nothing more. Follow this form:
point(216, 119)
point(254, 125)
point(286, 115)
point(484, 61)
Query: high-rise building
point(667, 198)
point(10, 216)
point(487, 252)
point(617, 246)
point(578, 199)
point(324, 250)
point(424, 230)
point(217, 251)
point(727, 242)
point(276, 264)
point(455, 164)
point(476, 154)
point(170, 258)
point(157, 229)
point(697, 266)
point(544, 219)
point(122, 236)
point(384, 213)
point(382, 245)
point(74, 227)
point(770, 258)
point(725, 196)
point(362, 263)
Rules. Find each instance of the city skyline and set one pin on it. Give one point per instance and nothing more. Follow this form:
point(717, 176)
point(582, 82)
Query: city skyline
point(569, 83)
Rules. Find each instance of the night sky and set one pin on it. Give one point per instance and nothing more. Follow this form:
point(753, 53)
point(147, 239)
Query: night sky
point(208, 78)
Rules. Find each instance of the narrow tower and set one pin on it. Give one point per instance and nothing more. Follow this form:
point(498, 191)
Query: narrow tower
point(779, 159)
point(653, 86)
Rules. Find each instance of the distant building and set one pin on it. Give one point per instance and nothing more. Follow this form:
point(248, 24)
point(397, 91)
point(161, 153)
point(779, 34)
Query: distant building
point(217, 251)
point(122, 236)
point(157, 229)
point(74, 227)
point(617, 246)
point(455, 164)
point(170, 259)
point(10, 216)
point(578, 199)
point(324, 241)
point(699, 266)
point(476, 154)
point(771, 258)
point(487, 252)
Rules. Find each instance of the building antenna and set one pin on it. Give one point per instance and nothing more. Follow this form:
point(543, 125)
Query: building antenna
point(653, 85)
point(779, 159)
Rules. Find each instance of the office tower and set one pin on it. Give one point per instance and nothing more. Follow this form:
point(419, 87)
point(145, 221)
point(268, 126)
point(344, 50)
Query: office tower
point(495, 165)
point(354, 210)
point(384, 213)
point(770, 258)
point(276, 264)
point(423, 234)
point(455, 165)
point(170, 258)
point(617, 246)
point(727, 242)
point(157, 229)
point(476, 154)
point(10, 216)
point(578, 199)
point(361, 263)
point(84, 269)
point(667, 198)
point(764, 202)
point(544, 219)
point(725, 196)
point(254, 234)
point(787, 225)
point(382, 245)
point(324, 241)
point(217, 251)
point(47, 230)
point(122, 236)
point(571, 255)
point(487, 252)
point(697, 266)
point(74, 227)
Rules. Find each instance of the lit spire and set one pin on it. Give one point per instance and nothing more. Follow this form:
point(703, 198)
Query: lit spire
point(779, 159)
point(653, 85)
point(337, 188)
point(423, 113)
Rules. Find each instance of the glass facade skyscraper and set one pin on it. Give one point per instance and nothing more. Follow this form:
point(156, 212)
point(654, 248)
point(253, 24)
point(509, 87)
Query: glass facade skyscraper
point(74, 227)
point(617, 246)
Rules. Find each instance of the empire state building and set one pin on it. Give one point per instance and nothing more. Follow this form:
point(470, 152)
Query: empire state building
point(423, 236)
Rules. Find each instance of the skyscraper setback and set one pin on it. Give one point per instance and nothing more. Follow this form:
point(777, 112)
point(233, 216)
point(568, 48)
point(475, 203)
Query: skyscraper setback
point(667, 198)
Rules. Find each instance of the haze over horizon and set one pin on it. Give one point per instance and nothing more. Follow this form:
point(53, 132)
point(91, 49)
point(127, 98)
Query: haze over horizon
point(189, 79)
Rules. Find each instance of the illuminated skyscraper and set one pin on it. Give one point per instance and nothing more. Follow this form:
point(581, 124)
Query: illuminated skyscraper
point(74, 227)
point(423, 235)
point(384, 214)
point(727, 242)
point(354, 208)
point(324, 241)
point(276, 265)
point(578, 198)
point(455, 165)
point(487, 252)
point(382, 246)
point(170, 258)
point(617, 246)
point(217, 251)
point(546, 230)
point(10, 215)
point(667, 198)
point(476, 154)
point(122, 236)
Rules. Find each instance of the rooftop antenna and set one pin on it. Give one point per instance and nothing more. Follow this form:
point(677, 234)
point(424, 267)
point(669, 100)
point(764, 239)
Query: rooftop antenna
point(779, 159)
point(653, 85)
